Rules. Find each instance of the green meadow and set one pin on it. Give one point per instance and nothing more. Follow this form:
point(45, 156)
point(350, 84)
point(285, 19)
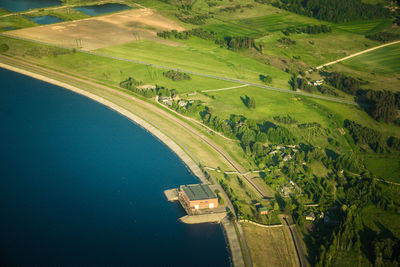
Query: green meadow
point(200, 56)
point(365, 27)
point(384, 166)
point(15, 22)
point(230, 29)
point(383, 60)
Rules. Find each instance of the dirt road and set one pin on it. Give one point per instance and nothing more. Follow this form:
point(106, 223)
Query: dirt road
point(356, 54)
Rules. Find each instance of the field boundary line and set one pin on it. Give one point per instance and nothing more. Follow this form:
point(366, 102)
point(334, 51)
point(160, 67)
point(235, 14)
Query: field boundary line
point(223, 89)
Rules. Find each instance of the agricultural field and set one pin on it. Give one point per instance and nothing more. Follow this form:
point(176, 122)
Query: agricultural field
point(365, 27)
point(385, 60)
point(274, 242)
point(380, 69)
point(116, 29)
point(277, 22)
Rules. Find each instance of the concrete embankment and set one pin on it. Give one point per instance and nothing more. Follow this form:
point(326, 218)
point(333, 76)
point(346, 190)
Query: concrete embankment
point(203, 218)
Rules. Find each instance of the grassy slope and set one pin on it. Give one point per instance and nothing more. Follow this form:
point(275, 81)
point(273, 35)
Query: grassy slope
point(271, 247)
point(379, 68)
point(200, 56)
point(385, 60)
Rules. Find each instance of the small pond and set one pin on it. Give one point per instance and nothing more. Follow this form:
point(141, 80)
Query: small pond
point(43, 20)
point(23, 5)
point(102, 9)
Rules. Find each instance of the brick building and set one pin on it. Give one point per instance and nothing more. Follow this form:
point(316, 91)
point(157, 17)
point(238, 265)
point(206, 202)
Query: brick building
point(197, 197)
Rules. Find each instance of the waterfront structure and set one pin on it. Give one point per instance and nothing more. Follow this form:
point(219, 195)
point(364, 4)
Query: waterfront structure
point(197, 197)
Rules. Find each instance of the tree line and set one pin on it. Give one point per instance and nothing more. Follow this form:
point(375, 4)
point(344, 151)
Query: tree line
point(233, 43)
point(335, 10)
point(384, 37)
point(309, 29)
point(374, 139)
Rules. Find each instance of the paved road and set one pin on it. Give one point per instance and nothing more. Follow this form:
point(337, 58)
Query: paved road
point(356, 54)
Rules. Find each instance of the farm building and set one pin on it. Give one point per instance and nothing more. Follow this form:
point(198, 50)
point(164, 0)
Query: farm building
point(310, 217)
point(263, 210)
point(197, 197)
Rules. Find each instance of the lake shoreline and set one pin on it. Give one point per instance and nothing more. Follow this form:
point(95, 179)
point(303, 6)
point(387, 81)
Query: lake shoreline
point(230, 236)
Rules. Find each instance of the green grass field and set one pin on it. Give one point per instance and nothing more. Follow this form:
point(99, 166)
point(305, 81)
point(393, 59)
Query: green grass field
point(383, 60)
point(201, 56)
point(375, 218)
point(365, 27)
point(15, 22)
point(229, 29)
point(277, 22)
point(384, 166)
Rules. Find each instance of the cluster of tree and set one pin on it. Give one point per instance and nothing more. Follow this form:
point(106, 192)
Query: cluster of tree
point(236, 7)
point(193, 19)
point(384, 37)
point(288, 41)
point(381, 105)
point(232, 196)
point(3, 48)
point(249, 102)
point(176, 75)
point(309, 29)
point(191, 107)
point(285, 119)
point(349, 234)
point(303, 84)
point(343, 82)
point(234, 43)
point(325, 90)
point(335, 10)
point(174, 34)
point(366, 136)
point(132, 85)
point(248, 131)
point(265, 79)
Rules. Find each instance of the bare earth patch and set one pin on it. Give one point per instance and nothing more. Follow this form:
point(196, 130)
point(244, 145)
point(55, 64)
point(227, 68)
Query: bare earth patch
point(100, 32)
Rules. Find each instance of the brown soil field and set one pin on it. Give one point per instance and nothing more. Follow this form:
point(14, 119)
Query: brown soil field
point(270, 246)
point(104, 31)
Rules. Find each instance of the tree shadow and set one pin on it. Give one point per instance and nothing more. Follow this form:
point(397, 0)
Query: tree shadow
point(245, 99)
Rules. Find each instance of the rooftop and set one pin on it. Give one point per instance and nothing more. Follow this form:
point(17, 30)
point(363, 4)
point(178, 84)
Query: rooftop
point(198, 191)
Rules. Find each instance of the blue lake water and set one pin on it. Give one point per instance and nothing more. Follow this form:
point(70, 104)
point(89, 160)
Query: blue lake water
point(43, 20)
point(102, 9)
point(22, 5)
point(82, 185)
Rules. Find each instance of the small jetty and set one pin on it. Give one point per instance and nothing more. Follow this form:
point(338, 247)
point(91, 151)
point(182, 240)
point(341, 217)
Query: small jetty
point(171, 194)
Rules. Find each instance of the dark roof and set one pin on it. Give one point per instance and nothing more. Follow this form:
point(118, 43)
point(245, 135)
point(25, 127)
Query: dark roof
point(198, 192)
